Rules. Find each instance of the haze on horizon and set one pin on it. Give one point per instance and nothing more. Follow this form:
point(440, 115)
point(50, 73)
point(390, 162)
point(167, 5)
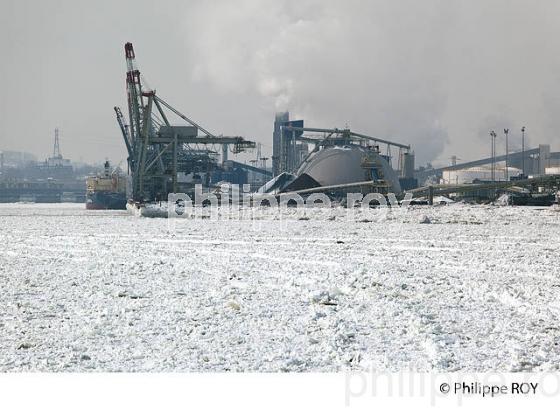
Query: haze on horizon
point(437, 74)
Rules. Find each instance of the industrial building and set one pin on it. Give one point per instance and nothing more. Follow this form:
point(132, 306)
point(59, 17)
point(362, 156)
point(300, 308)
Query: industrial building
point(481, 173)
point(23, 178)
point(311, 158)
point(530, 162)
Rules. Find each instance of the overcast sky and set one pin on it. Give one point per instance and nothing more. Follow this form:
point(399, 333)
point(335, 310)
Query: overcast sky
point(436, 74)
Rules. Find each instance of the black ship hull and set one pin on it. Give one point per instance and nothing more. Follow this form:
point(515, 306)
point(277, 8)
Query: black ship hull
point(533, 200)
point(105, 200)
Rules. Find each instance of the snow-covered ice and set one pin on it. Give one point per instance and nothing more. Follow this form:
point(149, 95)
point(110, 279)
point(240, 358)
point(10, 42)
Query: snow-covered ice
point(476, 289)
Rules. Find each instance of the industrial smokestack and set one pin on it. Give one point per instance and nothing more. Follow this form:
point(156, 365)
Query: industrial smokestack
point(407, 165)
point(280, 118)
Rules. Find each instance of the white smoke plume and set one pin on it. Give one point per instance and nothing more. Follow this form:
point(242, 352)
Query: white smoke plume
point(438, 74)
point(430, 73)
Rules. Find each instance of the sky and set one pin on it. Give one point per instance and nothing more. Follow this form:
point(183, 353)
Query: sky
point(436, 74)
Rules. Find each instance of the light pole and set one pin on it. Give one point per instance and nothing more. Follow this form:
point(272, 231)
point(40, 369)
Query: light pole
point(254, 162)
point(523, 150)
point(506, 131)
point(493, 142)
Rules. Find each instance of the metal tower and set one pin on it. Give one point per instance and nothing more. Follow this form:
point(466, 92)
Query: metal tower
point(157, 150)
point(56, 149)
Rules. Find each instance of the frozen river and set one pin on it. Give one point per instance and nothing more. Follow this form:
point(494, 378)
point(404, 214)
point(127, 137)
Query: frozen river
point(476, 289)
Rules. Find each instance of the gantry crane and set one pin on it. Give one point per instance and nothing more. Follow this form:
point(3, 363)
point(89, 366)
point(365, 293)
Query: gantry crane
point(157, 150)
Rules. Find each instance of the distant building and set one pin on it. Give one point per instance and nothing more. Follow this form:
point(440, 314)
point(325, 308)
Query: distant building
point(16, 159)
point(481, 173)
point(57, 162)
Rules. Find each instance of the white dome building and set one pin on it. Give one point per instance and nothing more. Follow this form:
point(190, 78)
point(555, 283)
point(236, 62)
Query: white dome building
point(349, 164)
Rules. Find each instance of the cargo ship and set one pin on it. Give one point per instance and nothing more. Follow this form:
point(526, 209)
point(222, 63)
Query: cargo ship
point(107, 190)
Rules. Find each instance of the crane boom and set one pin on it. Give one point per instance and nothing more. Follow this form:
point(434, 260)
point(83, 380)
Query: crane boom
point(151, 139)
point(124, 130)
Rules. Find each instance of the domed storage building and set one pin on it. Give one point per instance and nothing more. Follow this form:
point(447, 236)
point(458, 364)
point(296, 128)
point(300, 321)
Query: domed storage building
point(340, 158)
point(337, 165)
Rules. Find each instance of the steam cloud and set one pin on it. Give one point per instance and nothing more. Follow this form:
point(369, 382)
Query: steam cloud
point(436, 74)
